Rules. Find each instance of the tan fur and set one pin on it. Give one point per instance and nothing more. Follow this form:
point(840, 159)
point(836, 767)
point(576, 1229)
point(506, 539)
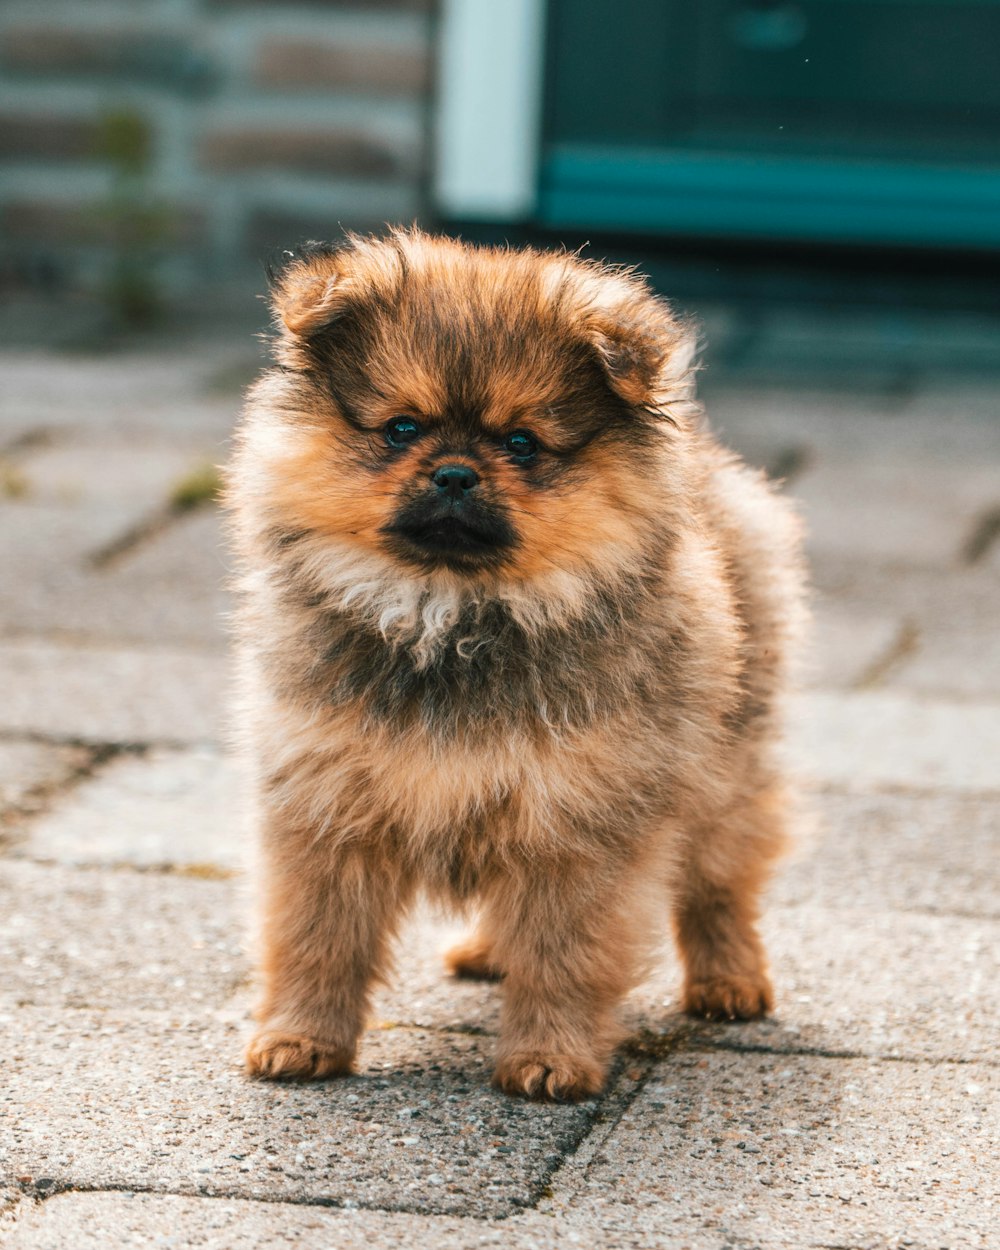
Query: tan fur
point(570, 737)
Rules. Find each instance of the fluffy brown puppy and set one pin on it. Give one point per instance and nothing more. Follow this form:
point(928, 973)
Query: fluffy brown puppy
point(513, 626)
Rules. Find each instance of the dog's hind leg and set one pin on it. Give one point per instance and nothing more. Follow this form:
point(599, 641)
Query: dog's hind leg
point(717, 906)
point(473, 957)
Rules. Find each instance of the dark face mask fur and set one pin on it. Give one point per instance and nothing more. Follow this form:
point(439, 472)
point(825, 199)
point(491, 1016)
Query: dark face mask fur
point(512, 627)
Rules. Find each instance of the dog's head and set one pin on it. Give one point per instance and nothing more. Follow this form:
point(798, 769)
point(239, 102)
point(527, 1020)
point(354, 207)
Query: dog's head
point(471, 412)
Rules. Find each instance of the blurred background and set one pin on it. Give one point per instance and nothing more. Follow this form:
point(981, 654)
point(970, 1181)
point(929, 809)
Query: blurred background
point(746, 152)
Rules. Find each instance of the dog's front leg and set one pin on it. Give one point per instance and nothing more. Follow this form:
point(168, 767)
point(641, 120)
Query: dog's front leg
point(329, 916)
point(568, 940)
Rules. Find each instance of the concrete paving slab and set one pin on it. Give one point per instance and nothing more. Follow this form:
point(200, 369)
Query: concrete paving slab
point(765, 423)
point(959, 663)
point(130, 1221)
point(112, 694)
point(878, 738)
point(110, 941)
point(872, 510)
point(939, 401)
point(167, 589)
point(160, 809)
point(758, 1150)
point(14, 1207)
point(85, 470)
point(930, 599)
point(891, 850)
point(157, 1102)
point(129, 391)
point(848, 981)
point(135, 1221)
point(30, 769)
point(857, 982)
point(866, 426)
point(844, 646)
point(44, 552)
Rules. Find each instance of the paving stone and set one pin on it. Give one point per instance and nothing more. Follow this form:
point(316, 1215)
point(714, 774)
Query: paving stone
point(938, 398)
point(864, 427)
point(758, 1150)
point(880, 738)
point(858, 982)
point(869, 510)
point(88, 470)
point(134, 1221)
point(27, 768)
point(113, 940)
point(112, 694)
point(933, 852)
point(960, 663)
point(169, 589)
point(168, 390)
point(848, 980)
point(166, 589)
point(160, 809)
point(158, 1102)
point(929, 599)
point(44, 556)
point(844, 646)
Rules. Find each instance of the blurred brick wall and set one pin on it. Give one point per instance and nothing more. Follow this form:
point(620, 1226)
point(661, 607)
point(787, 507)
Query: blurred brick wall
point(198, 135)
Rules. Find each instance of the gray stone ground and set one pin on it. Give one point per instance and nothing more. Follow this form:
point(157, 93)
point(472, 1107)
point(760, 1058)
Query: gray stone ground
point(863, 1115)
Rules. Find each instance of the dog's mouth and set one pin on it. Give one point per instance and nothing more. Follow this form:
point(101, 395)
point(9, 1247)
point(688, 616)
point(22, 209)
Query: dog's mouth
point(459, 535)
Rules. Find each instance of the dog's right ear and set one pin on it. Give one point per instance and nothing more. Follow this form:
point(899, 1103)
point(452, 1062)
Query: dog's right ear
point(308, 292)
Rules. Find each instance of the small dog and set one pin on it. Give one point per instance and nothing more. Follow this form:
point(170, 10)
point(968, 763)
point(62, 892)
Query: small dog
point(513, 627)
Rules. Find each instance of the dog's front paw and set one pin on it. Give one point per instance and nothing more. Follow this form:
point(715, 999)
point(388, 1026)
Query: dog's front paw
point(559, 1078)
point(729, 998)
point(295, 1057)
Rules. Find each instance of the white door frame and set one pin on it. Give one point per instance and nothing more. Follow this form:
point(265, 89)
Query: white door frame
point(489, 108)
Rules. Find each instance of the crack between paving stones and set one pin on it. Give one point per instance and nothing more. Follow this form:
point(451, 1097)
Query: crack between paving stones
point(54, 1188)
point(16, 819)
point(902, 646)
point(136, 746)
point(823, 1052)
point(150, 527)
point(645, 1048)
point(983, 538)
point(888, 789)
point(197, 871)
point(789, 464)
point(30, 440)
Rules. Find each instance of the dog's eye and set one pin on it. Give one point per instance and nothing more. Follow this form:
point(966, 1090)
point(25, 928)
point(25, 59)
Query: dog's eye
point(401, 430)
point(520, 445)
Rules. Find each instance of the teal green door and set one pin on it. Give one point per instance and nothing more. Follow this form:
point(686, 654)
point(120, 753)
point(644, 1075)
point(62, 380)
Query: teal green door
point(871, 121)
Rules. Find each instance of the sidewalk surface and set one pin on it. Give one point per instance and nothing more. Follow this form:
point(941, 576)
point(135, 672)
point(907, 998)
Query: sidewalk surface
point(863, 1115)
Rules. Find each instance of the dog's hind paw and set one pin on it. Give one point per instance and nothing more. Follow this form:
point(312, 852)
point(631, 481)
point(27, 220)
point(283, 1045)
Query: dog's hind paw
point(729, 998)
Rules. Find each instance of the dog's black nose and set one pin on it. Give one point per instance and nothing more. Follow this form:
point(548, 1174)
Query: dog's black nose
point(454, 480)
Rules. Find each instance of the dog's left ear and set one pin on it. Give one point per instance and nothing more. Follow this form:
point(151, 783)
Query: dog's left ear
point(632, 354)
point(647, 353)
